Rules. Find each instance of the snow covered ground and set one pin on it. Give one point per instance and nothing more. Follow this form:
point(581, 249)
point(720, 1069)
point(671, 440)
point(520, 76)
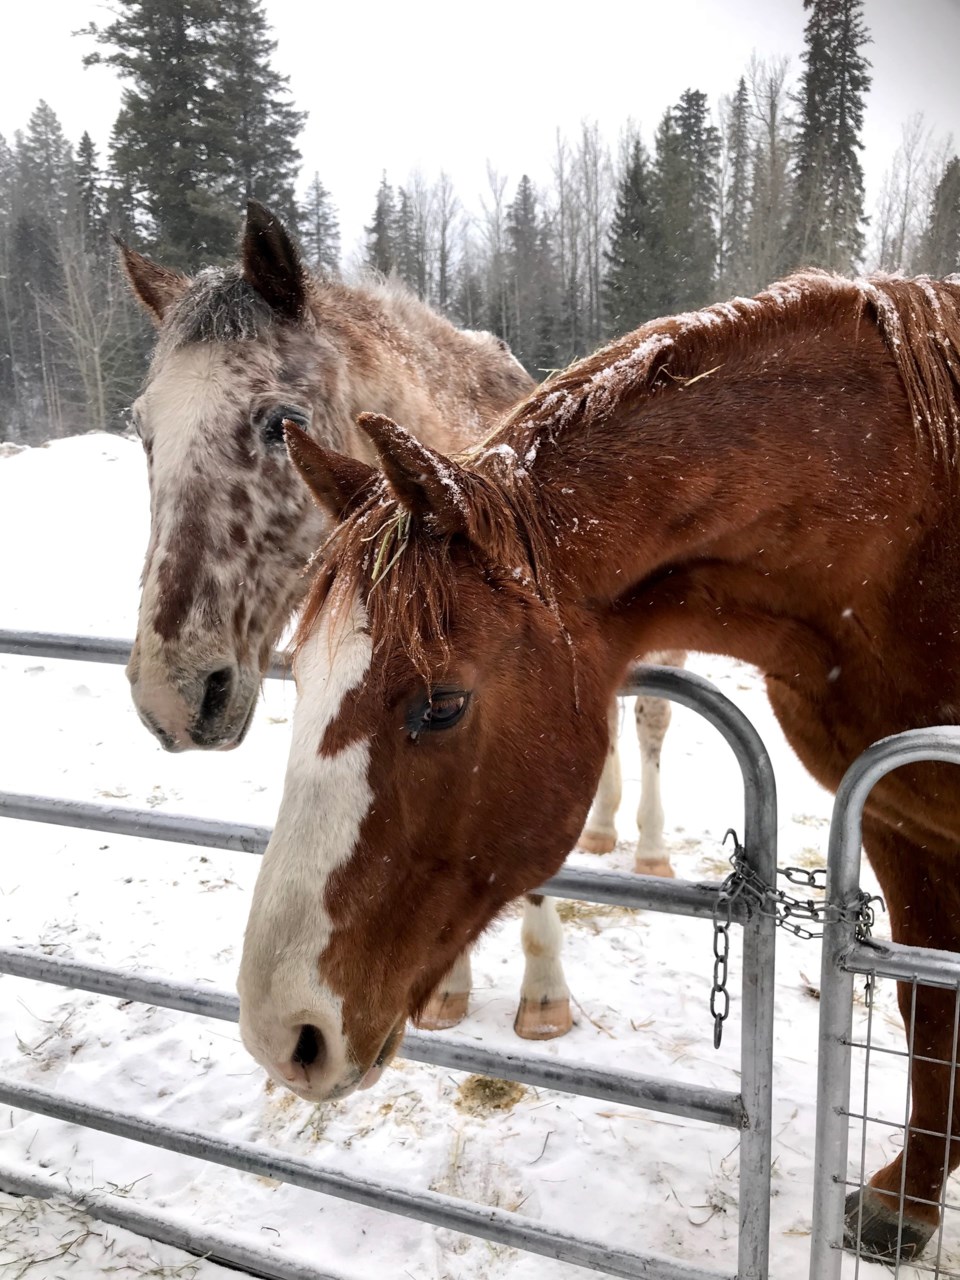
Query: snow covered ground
point(73, 520)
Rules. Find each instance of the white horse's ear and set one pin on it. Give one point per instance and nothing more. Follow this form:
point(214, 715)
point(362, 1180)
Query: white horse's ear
point(156, 288)
point(430, 486)
point(271, 262)
point(338, 482)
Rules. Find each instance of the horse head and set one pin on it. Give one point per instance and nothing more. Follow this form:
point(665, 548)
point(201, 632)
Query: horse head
point(231, 525)
point(433, 671)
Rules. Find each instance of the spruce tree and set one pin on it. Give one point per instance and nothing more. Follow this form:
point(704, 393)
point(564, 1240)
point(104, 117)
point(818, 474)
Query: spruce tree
point(45, 161)
point(686, 194)
point(939, 252)
point(826, 222)
point(631, 283)
point(733, 241)
point(320, 229)
point(530, 284)
point(90, 204)
point(169, 145)
point(254, 114)
point(381, 234)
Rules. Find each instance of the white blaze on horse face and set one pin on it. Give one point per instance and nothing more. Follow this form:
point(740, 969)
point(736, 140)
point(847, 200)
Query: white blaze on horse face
point(184, 401)
point(325, 799)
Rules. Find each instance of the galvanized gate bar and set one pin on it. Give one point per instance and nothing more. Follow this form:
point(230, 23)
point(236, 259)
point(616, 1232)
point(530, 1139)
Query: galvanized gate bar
point(753, 1107)
point(624, 1088)
point(440, 1210)
point(652, 893)
point(759, 949)
point(927, 966)
point(47, 644)
point(202, 1242)
point(836, 979)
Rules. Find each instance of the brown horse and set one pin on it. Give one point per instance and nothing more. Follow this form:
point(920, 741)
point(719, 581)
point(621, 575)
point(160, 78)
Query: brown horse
point(239, 351)
point(774, 479)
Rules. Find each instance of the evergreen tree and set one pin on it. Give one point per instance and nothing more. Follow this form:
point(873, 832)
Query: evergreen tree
point(320, 229)
point(381, 234)
point(531, 284)
point(939, 252)
point(686, 196)
point(404, 255)
point(735, 203)
point(169, 142)
point(90, 204)
point(45, 162)
point(261, 161)
point(631, 283)
point(826, 222)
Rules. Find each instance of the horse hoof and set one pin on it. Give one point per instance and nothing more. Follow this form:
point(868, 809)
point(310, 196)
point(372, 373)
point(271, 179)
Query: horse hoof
point(443, 1011)
point(880, 1229)
point(654, 867)
point(543, 1019)
point(597, 841)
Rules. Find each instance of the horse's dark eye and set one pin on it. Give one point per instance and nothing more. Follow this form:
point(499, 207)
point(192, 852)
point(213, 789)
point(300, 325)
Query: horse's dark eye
point(442, 710)
point(271, 422)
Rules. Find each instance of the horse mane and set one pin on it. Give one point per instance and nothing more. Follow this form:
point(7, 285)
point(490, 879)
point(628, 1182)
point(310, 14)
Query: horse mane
point(919, 321)
point(403, 570)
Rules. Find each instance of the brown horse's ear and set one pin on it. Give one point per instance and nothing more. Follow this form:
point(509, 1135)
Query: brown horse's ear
point(425, 482)
point(337, 481)
point(271, 262)
point(156, 288)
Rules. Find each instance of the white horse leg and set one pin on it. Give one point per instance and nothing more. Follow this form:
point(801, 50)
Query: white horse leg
point(448, 1002)
point(653, 719)
point(600, 832)
point(544, 1011)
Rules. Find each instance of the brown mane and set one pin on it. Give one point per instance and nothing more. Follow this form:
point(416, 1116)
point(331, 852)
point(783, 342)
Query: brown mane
point(408, 593)
point(918, 319)
point(403, 570)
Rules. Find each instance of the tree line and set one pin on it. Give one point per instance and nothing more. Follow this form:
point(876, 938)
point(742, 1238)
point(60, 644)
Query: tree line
point(720, 203)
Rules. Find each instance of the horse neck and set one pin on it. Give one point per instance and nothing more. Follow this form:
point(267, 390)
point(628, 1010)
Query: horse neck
point(694, 511)
point(399, 358)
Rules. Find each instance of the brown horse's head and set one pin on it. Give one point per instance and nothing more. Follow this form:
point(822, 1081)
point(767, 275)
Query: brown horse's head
point(436, 771)
point(232, 525)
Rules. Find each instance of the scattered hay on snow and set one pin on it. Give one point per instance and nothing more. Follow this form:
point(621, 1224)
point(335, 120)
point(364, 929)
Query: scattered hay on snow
point(479, 1094)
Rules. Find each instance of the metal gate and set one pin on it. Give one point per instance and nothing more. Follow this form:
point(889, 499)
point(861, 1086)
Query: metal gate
point(748, 1111)
point(845, 956)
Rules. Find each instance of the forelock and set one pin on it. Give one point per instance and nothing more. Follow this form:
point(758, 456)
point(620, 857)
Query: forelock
point(219, 306)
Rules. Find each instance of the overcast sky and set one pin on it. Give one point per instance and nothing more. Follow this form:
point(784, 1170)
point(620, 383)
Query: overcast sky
point(446, 85)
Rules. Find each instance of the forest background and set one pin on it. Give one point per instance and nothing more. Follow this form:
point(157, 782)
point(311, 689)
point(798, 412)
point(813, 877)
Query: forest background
point(726, 198)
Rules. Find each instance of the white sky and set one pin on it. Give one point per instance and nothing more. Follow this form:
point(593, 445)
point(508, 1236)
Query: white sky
point(446, 85)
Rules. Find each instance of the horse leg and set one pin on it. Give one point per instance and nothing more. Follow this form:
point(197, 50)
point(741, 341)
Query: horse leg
point(448, 1002)
point(600, 832)
point(925, 912)
point(653, 719)
point(544, 1011)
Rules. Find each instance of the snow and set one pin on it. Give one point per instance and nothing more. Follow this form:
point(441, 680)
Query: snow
point(73, 524)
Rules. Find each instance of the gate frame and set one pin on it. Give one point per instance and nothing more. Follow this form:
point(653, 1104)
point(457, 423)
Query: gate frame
point(843, 958)
point(749, 1111)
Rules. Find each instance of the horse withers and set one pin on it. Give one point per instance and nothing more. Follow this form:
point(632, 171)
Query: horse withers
point(774, 479)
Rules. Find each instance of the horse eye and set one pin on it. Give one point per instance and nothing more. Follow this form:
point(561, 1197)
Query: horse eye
point(271, 423)
point(442, 710)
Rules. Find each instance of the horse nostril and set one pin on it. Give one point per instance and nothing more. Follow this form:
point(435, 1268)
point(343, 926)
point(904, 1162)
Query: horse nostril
point(310, 1047)
point(216, 694)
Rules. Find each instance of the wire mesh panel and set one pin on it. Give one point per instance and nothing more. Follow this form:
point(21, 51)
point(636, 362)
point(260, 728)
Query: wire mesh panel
point(871, 1040)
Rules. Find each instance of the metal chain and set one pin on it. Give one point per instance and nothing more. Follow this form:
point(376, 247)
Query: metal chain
point(792, 914)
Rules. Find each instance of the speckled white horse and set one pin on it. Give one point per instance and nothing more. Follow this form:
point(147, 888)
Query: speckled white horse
point(232, 524)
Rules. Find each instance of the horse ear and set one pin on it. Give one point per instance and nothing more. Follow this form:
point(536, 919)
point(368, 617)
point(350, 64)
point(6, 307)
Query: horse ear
point(425, 482)
point(271, 262)
point(156, 288)
point(337, 481)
